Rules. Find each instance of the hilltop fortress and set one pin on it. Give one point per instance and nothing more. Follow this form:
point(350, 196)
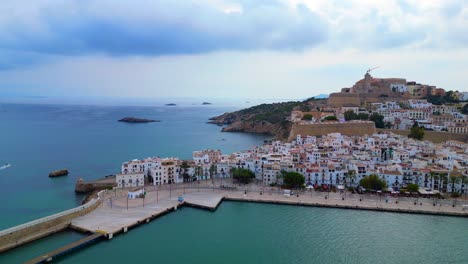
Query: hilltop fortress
point(373, 90)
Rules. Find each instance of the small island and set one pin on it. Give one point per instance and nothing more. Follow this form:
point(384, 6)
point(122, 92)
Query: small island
point(171, 104)
point(59, 173)
point(137, 120)
point(206, 103)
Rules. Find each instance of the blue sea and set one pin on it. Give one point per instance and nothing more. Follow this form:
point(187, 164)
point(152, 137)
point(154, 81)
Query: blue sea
point(87, 140)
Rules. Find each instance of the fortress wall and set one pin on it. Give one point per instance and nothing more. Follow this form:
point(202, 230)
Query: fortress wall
point(344, 99)
point(433, 136)
point(349, 129)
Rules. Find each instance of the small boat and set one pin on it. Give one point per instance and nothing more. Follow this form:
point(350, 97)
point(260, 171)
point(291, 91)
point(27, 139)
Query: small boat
point(7, 165)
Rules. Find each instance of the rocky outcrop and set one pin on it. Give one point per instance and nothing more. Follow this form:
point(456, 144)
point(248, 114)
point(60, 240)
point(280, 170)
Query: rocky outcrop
point(59, 173)
point(262, 120)
point(272, 119)
point(137, 120)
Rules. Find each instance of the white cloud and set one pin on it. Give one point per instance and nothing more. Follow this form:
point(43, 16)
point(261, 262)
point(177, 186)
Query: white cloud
point(425, 41)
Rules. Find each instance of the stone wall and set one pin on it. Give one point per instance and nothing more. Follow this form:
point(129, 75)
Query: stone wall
point(344, 99)
point(355, 128)
point(434, 136)
point(27, 232)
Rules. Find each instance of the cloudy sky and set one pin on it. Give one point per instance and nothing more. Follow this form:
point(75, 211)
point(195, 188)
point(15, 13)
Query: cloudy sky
point(226, 48)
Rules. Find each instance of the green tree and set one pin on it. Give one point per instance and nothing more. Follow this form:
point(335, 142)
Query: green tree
point(453, 180)
point(363, 116)
point(350, 115)
point(388, 125)
point(213, 170)
point(464, 109)
point(350, 175)
point(412, 187)
point(373, 182)
point(292, 179)
point(242, 175)
point(416, 132)
point(443, 181)
point(307, 117)
point(330, 118)
point(198, 172)
point(185, 166)
point(378, 120)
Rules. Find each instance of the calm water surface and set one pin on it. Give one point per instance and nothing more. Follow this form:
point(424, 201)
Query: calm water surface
point(261, 233)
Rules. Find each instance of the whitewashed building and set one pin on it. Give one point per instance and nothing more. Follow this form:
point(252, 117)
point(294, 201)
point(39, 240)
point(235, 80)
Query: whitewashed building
point(130, 180)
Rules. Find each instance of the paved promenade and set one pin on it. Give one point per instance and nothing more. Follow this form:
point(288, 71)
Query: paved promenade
point(117, 212)
point(391, 204)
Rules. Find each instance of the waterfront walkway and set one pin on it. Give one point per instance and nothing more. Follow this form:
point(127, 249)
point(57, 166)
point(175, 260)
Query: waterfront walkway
point(117, 213)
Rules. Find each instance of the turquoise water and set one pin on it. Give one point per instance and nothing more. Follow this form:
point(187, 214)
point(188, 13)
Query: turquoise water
point(262, 233)
point(88, 141)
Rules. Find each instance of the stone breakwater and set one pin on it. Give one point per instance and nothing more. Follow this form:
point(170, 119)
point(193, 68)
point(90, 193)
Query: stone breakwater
point(19, 235)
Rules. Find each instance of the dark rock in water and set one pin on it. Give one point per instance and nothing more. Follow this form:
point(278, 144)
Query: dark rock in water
point(206, 103)
point(58, 173)
point(171, 104)
point(137, 120)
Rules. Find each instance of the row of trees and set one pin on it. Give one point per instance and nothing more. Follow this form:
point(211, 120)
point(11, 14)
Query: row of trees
point(378, 119)
point(198, 173)
point(448, 98)
point(296, 180)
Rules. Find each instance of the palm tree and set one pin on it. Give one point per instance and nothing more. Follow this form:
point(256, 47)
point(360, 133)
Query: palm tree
point(443, 179)
point(432, 177)
point(184, 166)
point(350, 175)
point(464, 183)
point(212, 172)
point(198, 172)
point(453, 179)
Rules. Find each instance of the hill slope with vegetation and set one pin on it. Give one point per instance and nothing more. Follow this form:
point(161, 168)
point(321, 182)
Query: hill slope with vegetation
point(265, 118)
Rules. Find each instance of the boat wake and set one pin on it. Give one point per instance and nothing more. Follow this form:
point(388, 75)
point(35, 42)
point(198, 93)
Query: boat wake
point(7, 165)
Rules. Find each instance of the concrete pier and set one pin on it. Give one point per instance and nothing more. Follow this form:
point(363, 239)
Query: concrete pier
point(204, 200)
point(119, 212)
point(65, 249)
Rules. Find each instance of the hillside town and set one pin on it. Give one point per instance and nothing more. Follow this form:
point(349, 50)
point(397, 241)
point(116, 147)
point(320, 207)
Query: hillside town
point(334, 143)
point(401, 103)
point(332, 161)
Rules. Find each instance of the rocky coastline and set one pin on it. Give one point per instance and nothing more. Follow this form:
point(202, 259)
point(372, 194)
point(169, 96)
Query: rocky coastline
point(270, 119)
point(259, 127)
